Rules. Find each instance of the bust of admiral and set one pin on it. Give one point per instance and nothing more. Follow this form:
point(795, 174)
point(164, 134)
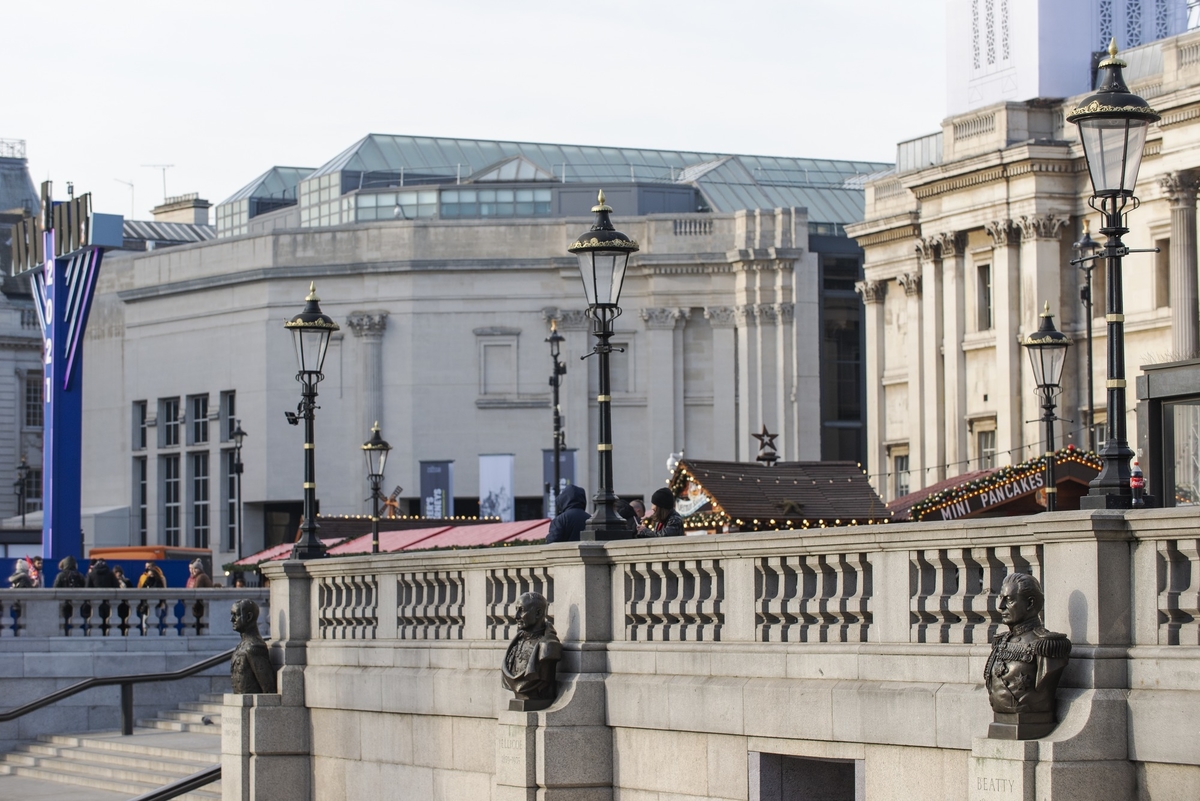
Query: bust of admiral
point(1025, 665)
point(531, 662)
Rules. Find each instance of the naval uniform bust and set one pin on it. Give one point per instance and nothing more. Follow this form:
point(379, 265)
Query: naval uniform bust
point(531, 662)
point(1025, 665)
point(250, 668)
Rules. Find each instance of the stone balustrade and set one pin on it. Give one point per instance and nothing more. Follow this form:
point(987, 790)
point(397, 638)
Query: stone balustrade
point(861, 643)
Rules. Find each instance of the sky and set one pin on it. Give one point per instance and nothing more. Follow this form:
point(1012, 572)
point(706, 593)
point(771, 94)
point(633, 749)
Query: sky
point(224, 90)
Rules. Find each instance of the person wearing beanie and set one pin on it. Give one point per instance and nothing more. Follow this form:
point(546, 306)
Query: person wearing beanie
point(68, 577)
point(20, 579)
point(198, 578)
point(663, 521)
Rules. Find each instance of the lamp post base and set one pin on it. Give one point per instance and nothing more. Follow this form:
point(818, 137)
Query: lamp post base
point(1105, 501)
point(605, 524)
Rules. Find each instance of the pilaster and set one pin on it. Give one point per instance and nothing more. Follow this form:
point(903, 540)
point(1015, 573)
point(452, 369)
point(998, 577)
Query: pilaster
point(1006, 296)
point(873, 294)
point(369, 327)
point(1040, 271)
point(953, 358)
point(915, 424)
point(725, 433)
point(933, 404)
point(747, 376)
point(1180, 189)
point(665, 397)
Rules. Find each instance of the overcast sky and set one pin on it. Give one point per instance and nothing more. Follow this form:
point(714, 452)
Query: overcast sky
point(224, 90)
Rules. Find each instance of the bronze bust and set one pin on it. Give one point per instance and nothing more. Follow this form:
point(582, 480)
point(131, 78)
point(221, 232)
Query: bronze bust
point(531, 662)
point(250, 669)
point(1025, 665)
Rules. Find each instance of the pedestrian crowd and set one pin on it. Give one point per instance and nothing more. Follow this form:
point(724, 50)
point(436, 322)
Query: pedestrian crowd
point(662, 520)
point(28, 575)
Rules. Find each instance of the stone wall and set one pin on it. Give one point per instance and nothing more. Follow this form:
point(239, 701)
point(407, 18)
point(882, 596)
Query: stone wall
point(739, 666)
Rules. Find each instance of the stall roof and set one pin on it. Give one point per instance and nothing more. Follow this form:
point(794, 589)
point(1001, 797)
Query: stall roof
point(489, 534)
point(389, 541)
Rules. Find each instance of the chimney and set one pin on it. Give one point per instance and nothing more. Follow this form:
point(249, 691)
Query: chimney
point(187, 208)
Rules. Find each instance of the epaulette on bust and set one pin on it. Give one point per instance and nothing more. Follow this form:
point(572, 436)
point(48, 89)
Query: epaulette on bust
point(1052, 645)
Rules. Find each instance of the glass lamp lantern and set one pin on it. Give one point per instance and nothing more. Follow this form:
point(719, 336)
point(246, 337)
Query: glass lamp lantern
point(376, 451)
point(603, 254)
point(311, 330)
point(1112, 125)
point(1047, 349)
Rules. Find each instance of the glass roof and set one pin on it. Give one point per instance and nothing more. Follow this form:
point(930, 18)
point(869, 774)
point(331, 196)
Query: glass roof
point(729, 182)
point(277, 182)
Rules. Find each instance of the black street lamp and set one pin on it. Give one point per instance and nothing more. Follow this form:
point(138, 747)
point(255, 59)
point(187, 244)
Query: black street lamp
point(376, 452)
point(21, 486)
point(1047, 349)
point(603, 254)
point(1112, 125)
point(556, 339)
point(1086, 247)
point(310, 333)
point(238, 435)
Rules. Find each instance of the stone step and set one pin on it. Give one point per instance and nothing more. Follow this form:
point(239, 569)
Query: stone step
point(87, 766)
point(210, 793)
point(191, 716)
point(150, 764)
point(148, 742)
point(205, 707)
point(179, 725)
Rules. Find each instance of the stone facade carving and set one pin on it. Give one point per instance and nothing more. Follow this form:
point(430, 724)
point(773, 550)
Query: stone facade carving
point(573, 320)
point(926, 248)
point(951, 243)
point(767, 313)
point(910, 283)
point(744, 315)
point(530, 667)
point(664, 317)
point(719, 316)
point(871, 291)
point(786, 312)
point(1041, 226)
point(367, 323)
point(1002, 232)
point(250, 668)
point(1022, 672)
point(1180, 187)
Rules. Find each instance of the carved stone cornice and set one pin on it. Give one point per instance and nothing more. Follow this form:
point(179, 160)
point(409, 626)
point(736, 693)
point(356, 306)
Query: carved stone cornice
point(744, 315)
point(573, 320)
point(767, 313)
point(926, 248)
point(1041, 226)
point(911, 283)
point(367, 323)
point(1002, 232)
point(786, 312)
point(871, 291)
point(665, 318)
point(1180, 188)
point(951, 243)
point(719, 316)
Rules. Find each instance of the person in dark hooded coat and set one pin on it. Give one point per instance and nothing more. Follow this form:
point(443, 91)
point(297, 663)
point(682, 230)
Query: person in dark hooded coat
point(101, 576)
point(68, 577)
point(572, 515)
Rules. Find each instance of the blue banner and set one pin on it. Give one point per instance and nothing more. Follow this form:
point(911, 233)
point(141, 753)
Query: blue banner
point(437, 489)
point(566, 476)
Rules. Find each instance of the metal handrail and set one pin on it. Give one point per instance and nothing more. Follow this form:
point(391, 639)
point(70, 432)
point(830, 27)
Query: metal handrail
point(184, 785)
point(126, 683)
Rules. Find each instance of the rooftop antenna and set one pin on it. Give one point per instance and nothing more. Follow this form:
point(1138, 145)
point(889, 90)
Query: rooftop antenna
point(164, 168)
point(130, 185)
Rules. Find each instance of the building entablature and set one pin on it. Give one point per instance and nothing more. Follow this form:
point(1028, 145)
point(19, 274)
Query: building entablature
point(885, 229)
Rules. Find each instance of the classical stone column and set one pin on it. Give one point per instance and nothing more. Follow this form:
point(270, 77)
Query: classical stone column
point(747, 377)
point(724, 355)
point(1040, 270)
point(933, 398)
point(369, 326)
point(785, 386)
point(954, 360)
point(1180, 189)
point(1006, 295)
point(910, 282)
point(664, 395)
point(873, 294)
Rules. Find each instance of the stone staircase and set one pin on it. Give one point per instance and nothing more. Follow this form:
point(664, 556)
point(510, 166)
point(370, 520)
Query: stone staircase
point(161, 750)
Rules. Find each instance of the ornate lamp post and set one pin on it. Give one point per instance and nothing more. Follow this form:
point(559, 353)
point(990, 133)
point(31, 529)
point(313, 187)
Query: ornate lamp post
point(22, 486)
point(376, 451)
point(556, 339)
point(310, 333)
point(1086, 247)
point(603, 254)
point(238, 435)
point(1112, 125)
point(1047, 349)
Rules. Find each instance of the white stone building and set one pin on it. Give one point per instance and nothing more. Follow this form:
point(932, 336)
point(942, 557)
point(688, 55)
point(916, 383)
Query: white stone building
point(738, 312)
point(972, 234)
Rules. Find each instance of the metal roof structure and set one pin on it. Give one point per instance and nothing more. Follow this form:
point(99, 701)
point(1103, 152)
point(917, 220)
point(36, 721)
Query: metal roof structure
point(830, 189)
point(165, 233)
point(276, 183)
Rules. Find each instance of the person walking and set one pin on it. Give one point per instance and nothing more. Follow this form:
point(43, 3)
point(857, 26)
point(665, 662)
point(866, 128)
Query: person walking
point(663, 521)
point(572, 503)
point(198, 578)
point(119, 574)
point(68, 578)
point(100, 575)
point(20, 579)
point(152, 578)
point(35, 572)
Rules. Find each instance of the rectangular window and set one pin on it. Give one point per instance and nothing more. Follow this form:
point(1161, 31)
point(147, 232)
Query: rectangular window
point(35, 403)
point(199, 500)
point(198, 413)
point(985, 448)
point(499, 362)
point(171, 500)
point(169, 415)
point(33, 490)
point(140, 472)
point(231, 500)
point(984, 296)
point(139, 425)
point(903, 479)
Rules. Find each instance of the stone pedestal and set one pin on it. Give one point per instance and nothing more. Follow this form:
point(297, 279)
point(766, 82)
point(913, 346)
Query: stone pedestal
point(1084, 758)
point(561, 754)
point(264, 749)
